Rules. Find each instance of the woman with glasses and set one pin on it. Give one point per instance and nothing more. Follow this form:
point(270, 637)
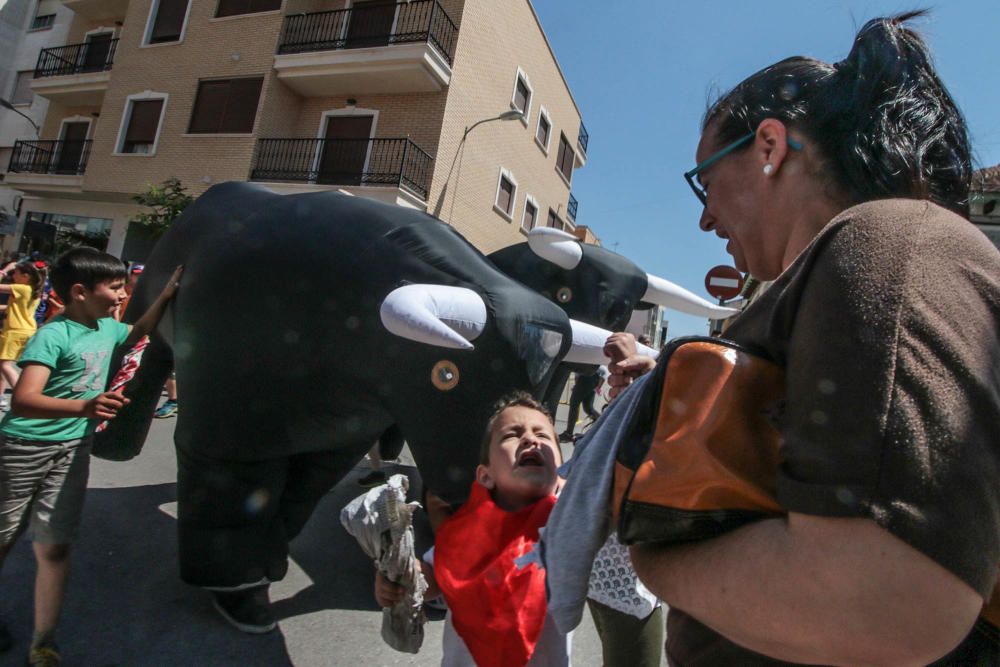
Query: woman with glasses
point(847, 185)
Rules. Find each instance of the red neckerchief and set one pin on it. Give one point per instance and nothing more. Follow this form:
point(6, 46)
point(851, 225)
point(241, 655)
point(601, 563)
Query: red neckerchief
point(497, 609)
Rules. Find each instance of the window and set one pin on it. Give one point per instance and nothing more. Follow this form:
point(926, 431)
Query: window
point(530, 216)
point(544, 129)
point(235, 7)
point(166, 21)
point(43, 22)
point(226, 106)
point(141, 126)
point(564, 160)
point(554, 221)
point(521, 99)
point(506, 194)
point(22, 88)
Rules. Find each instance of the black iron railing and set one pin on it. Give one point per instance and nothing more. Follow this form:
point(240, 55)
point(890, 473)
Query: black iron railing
point(583, 139)
point(398, 162)
point(50, 157)
point(93, 56)
point(571, 208)
point(371, 25)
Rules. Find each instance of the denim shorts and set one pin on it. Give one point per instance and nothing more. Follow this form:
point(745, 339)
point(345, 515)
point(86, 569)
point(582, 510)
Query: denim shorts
point(42, 488)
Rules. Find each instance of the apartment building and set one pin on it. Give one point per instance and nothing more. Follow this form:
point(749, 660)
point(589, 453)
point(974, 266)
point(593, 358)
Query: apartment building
point(414, 103)
point(26, 27)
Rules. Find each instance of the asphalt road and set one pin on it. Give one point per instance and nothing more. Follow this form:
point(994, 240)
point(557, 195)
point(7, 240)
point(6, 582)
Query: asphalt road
point(126, 605)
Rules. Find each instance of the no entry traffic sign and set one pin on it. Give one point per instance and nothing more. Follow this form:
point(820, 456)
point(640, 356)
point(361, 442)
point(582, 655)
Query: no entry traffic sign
point(723, 282)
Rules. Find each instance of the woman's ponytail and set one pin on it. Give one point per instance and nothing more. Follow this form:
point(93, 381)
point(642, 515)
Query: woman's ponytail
point(882, 119)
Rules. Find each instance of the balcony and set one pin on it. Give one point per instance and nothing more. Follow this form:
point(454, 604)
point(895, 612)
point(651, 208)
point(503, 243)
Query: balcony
point(571, 208)
point(98, 9)
point(395, 170)
point(48, 166)
point(76, 74)
point(405, 47)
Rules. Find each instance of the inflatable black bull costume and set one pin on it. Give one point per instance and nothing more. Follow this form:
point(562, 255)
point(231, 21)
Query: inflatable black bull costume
point(593, 285)
point(281, 339)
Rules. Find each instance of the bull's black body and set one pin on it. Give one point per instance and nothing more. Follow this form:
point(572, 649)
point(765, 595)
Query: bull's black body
point(287, 375)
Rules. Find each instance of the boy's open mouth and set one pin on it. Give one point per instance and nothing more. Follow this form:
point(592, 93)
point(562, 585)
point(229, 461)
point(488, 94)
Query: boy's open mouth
point(530, 457)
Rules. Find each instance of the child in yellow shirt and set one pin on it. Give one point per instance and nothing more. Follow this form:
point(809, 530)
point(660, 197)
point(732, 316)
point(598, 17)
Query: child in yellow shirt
point(24, 296)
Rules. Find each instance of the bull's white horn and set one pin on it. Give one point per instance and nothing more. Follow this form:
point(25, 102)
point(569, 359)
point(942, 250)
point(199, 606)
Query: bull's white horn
point(588, 345)
point(664, 293)
point(435, 314)
point(556, 246)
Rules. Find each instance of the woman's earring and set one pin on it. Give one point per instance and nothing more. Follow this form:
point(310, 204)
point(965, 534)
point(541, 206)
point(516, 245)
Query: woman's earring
point(768, 169)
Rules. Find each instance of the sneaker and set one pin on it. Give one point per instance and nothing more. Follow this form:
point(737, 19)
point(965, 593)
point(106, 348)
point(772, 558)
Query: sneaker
point(372, 479)
point(44, 656)
point(565, 437)
point(4, 404)
point(247, 611)
point(168, 409)
point(6, 641)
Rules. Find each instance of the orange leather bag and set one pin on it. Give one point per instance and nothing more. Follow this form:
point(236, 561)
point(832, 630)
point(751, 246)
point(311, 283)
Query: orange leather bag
point(701, 452)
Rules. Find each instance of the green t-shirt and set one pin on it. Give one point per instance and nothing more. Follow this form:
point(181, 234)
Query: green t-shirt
point(79, 358)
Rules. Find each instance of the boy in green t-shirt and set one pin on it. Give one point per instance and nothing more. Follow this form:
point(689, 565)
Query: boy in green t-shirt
point(58, 402)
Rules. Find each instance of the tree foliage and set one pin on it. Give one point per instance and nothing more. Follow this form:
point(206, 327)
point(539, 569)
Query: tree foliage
point(166, 201)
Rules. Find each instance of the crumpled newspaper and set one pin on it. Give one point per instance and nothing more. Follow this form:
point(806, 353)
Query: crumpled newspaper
point(382, 522)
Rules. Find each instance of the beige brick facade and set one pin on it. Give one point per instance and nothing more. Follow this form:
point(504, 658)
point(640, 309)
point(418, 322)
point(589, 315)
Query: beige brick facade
point(497, 39)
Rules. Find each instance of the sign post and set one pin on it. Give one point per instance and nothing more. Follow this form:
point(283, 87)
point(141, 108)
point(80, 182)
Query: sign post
point(723, 282)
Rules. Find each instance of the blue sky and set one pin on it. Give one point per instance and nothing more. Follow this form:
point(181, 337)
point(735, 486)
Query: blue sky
point(642, 71)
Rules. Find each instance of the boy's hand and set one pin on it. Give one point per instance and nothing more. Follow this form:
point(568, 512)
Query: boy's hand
point(106, 405)
point(173, 283)
point(386, 592)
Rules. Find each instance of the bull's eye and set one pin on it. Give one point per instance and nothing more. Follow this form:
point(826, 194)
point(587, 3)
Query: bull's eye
point(564, 295)
point(444, 375)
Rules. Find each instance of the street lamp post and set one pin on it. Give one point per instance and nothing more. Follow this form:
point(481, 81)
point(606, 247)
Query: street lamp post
point(7, 105)
point(506, 115)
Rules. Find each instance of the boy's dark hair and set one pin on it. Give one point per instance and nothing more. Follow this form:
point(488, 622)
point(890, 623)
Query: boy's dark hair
point(84, 265)
point(515, 399)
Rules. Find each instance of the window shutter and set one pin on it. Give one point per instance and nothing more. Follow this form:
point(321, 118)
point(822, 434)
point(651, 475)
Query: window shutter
point(521, 95)
point(241, 110)
point(143, 122)
point(169, 21)
point(235, 7)
point(543, 131)
point(565, 159)
point(226, 106)
point(529, 216)
point(504, 196)
point(209, 106)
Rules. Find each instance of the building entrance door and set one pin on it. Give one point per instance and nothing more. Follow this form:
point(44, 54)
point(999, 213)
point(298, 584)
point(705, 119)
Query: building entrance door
point(345, 150)
point(70, 152)
point(95, 53)
point(371, 23)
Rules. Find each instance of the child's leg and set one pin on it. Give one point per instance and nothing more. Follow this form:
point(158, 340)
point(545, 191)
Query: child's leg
point(50, 587)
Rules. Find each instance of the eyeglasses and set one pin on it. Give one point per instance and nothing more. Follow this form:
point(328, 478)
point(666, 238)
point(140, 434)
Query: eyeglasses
point(689, 176)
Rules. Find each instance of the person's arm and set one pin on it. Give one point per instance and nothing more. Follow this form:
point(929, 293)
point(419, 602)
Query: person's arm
point(816, 590)
point(625, 364)
point(7, 289)
point(152, 316)
point(29, 401)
